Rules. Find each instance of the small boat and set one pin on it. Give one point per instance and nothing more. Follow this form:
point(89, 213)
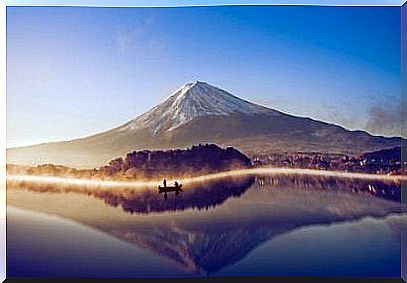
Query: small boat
point(167, 189)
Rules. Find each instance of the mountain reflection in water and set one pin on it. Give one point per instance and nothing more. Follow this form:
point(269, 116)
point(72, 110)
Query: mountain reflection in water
point(214, 225)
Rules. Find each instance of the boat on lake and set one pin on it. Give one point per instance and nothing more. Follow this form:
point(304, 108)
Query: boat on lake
point(167, 189)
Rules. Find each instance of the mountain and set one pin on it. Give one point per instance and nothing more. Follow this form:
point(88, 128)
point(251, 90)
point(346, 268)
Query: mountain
point(191, 101)
point(200, 113)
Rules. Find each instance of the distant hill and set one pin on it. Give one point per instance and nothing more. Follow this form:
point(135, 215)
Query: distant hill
point(201, 113)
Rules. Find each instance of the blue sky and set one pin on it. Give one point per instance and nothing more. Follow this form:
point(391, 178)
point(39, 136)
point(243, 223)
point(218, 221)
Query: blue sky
point(76, 71)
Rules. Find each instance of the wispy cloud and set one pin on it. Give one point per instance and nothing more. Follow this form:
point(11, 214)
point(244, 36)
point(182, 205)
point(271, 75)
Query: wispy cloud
point(385, 117)
point(378, 117)
point(130, 34)
point(136, 37)
point(124, 41)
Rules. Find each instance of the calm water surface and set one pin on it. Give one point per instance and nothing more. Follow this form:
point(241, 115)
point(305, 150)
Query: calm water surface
point(246, 226)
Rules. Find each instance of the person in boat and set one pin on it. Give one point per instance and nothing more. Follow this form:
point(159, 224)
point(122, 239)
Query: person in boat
point(176, 188)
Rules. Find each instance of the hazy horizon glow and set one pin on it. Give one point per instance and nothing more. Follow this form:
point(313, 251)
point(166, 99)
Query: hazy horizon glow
point(76, 71)
point(80, 182)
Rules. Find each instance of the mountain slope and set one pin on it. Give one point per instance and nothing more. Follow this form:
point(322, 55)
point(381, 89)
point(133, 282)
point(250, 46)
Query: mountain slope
point(190, 101)
point(199, 113)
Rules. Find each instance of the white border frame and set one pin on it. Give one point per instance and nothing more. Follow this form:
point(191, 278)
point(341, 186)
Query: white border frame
point(176, 3)
point(3, 68)
point(119, 3)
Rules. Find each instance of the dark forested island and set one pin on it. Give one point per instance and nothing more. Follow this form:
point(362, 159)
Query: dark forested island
point(197, 160)
point(194, 161)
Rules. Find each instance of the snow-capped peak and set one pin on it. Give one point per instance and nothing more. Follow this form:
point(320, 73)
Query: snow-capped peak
point(190, 101)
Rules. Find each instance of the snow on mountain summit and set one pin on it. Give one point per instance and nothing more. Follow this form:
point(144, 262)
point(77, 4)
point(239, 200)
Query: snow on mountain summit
point(190, 101)
point(199, 98)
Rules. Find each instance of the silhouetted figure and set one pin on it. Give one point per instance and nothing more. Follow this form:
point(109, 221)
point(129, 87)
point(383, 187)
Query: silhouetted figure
point(177, 188)
point(165, 183)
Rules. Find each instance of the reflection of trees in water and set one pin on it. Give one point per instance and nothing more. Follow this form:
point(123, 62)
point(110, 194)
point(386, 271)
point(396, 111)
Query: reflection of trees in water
point(197, 196)
point(387, 190)
point(200, 195)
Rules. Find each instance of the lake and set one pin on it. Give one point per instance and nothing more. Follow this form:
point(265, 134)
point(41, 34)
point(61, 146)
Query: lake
point(250, 225)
